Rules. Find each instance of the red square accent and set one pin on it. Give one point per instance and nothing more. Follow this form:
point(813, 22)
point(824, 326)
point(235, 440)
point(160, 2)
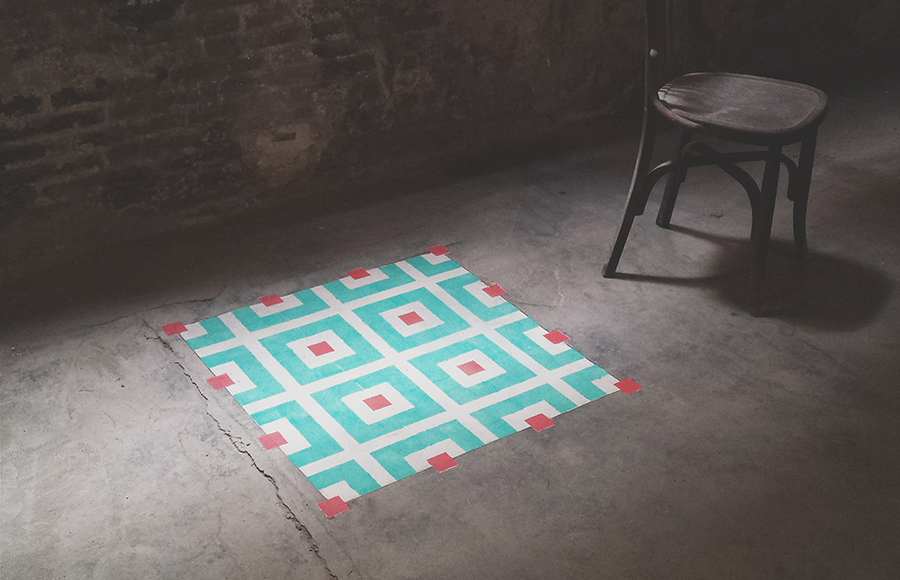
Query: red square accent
point(358, 273)
point(540, 422)
point(272, 440)
point(220, 382)
point(411, 318)
point(442, 462)
point(439, 250)
point(174, 328)
point(377, 402)
point(334, 506)
point(271, 300)
point(628, 386)
point(494, 290)
point(556, 337)
point(320, 348)
point(471, 367)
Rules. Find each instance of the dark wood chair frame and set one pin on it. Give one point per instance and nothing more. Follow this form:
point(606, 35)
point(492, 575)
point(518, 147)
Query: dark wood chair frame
point(658, 67)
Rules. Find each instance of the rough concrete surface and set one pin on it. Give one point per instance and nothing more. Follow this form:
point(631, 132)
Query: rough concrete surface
point(758, 448)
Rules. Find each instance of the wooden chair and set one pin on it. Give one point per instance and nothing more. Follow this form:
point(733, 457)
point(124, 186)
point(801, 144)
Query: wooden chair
point(751, 110)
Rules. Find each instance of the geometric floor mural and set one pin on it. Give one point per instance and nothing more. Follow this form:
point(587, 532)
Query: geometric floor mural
point(389, 371)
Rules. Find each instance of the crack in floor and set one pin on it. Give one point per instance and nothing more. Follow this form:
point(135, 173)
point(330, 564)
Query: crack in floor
point(237, 443)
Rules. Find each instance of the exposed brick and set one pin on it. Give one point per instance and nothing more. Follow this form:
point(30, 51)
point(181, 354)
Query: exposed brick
point(49, 170)
point(238, 85)
point(325, 28)
point(69, 96)
point(275, 37)
point(176, 40)
point(54, 124)
point(224, 47)
point(152, 103)
point(215, 149)
point(150, 149)
point(19, 106)
point(13, 178)
point(194, 6)
point(150, 125)
point(245, 63)
point(213, 23)
point(402, 24)
point(196, 73)
point(25, 153)
point(96, 138)
point(289, 55)
point(81, 187)
point(79, 165)
point(346, 65)
point(133, 86)
point(218, 64)
point(334, 47)
point(268, 14)
point(206, 112)
point(144, 14)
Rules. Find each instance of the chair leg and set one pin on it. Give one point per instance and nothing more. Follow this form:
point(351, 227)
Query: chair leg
point(762, 225)
point(801, 196)
point(676, 178)
point(637, 196)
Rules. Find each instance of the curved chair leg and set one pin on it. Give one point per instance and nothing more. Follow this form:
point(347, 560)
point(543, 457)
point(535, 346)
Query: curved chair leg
point(801, 197)
point(762, 225)
point(676, 178)
point(637, 193)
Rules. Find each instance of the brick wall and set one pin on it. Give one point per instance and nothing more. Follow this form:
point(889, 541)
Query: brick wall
point(133, 109)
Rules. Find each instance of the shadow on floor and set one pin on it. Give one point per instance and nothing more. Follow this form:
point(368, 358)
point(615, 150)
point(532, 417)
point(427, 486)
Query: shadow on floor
point(820, 291)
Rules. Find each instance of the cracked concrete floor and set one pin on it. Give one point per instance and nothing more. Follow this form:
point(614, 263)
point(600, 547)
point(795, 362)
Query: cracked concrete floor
point(759, 447)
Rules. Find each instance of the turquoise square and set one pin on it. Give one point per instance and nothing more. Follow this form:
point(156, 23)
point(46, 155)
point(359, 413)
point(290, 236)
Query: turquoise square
point(264, 383)
point(456, 287)
point(450, 321)
point(395, 277)
point(492, 416)
point(422, 405)
point(216, 332)
point(277, 345)
point(393, 457)
point(321, 443)
point(429, 269)
point(515, 333)
point(309, 304)
point(515, 372)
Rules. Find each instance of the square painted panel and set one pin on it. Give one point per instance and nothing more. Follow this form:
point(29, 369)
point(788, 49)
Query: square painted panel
point(389, 371)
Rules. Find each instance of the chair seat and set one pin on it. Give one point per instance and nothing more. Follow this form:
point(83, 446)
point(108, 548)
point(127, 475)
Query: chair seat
point(737, 104)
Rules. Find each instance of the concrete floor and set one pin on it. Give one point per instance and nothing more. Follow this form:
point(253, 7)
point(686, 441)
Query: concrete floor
point(758, 448)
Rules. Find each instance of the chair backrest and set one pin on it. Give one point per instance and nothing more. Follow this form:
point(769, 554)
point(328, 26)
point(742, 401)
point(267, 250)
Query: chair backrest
point(660, 61)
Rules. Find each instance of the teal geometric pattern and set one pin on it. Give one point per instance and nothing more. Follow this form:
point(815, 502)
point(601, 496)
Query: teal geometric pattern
point(369, 377)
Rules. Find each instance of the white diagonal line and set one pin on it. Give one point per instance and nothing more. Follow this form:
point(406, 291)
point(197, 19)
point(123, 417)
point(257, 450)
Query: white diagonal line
point(310, 405)
point(390, 359)
point(419, 379)
point(335, 307)
point(538, 369)
point(413, 429)
point(314, 387)
point(546, 376)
